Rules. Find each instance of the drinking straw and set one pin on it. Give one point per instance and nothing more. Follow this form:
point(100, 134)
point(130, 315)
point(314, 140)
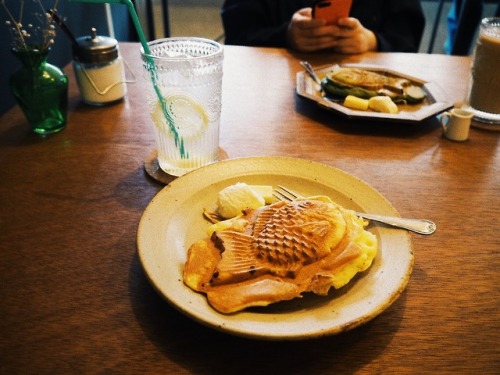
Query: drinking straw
point(63, 26)
point(179, 142)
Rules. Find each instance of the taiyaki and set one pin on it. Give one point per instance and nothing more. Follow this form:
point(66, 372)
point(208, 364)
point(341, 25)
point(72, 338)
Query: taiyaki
point(278, 252)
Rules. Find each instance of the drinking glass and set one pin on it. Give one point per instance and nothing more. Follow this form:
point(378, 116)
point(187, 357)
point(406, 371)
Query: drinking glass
point(484, 84)
point(183, 90)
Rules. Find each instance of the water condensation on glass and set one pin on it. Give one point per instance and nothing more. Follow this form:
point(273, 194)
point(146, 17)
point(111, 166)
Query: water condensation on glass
point(198, 77)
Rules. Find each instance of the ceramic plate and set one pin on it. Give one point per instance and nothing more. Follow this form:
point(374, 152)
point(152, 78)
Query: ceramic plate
point(435, 102)
point(173, 221)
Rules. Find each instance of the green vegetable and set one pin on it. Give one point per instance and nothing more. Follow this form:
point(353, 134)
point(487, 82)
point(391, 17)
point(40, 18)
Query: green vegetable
point(335, 89)
point(414, 94)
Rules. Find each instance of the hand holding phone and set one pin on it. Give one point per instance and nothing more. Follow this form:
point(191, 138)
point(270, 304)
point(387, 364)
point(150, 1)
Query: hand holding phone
point(331, 10)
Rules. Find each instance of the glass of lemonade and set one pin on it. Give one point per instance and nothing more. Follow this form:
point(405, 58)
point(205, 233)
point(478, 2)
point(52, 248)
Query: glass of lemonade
point(184, 90)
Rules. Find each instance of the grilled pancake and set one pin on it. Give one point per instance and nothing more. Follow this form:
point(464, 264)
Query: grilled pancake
point(278, 252)
point(366, 79)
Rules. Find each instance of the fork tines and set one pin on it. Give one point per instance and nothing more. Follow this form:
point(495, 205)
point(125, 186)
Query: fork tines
point(284, 194)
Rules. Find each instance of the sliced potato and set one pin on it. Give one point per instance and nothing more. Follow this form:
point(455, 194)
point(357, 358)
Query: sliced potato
point(382, 104)
point(354, 102)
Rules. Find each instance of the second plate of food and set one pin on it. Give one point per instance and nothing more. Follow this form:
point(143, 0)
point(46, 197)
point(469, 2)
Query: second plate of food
point(434, 103)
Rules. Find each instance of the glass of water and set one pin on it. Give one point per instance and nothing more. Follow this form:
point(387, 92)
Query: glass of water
point(184, 91)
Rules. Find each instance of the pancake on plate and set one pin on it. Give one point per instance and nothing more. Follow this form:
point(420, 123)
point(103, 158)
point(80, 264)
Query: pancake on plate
point(278, 252)
point(363, 83)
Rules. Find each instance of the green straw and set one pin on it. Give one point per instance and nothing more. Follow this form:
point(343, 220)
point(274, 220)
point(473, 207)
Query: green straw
point(179, 142)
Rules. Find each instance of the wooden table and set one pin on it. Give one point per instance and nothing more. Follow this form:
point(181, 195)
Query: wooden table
point(74, 298)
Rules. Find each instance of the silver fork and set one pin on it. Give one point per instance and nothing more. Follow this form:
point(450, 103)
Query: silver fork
point(421, 226)
point(309, 69)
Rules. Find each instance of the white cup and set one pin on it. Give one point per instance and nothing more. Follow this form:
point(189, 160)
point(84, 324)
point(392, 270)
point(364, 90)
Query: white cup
point(456, 124)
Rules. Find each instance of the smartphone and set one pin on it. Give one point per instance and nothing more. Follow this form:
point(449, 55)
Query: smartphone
point(331, 10)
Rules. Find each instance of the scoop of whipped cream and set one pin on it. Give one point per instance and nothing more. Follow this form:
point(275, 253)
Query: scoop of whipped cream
point(233, 199)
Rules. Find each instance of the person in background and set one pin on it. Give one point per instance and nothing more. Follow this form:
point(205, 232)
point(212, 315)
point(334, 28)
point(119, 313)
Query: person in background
point(470, 22)
point(373, 25)
point(463, 20)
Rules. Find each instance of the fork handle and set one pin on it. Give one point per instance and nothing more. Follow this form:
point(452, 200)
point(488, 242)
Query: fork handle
point(420, 226)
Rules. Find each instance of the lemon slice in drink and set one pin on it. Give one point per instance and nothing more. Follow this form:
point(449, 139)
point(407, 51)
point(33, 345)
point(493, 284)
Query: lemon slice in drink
point(187, 117)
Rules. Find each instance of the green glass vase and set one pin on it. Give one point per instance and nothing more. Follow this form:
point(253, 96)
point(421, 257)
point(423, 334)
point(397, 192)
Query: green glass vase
point(41, 90)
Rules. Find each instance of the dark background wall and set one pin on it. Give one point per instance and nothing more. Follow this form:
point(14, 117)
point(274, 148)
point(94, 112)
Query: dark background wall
point(79, 17)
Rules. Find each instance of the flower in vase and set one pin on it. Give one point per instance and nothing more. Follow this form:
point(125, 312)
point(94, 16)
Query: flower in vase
point(39, 31)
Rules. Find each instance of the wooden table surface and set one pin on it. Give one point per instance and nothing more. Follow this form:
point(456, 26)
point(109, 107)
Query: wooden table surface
point(74, 298)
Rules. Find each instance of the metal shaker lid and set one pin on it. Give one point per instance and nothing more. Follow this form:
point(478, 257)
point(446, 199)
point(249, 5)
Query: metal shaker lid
point(95, 48)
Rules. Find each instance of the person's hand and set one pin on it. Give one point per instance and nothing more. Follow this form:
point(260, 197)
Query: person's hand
point(306, 34)
point(353, 37)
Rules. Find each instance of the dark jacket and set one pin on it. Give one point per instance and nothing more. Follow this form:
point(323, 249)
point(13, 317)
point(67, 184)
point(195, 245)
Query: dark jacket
point(398, 24)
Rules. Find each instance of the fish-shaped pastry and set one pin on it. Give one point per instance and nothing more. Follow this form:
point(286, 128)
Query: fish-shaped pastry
point(279, 251)
point(283, 238)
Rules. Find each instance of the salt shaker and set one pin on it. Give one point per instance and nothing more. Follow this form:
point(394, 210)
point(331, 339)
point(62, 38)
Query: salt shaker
point(99, 69)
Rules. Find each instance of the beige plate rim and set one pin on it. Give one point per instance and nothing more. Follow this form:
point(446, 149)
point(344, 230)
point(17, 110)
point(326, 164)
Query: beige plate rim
point(173, 221)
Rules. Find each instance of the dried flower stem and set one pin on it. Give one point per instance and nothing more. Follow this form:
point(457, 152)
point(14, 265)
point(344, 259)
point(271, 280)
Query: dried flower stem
point(21, 11)
point(44, 35)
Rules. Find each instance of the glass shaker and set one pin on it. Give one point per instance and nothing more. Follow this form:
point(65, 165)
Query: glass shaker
point(99, 69)
point(484, 84)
